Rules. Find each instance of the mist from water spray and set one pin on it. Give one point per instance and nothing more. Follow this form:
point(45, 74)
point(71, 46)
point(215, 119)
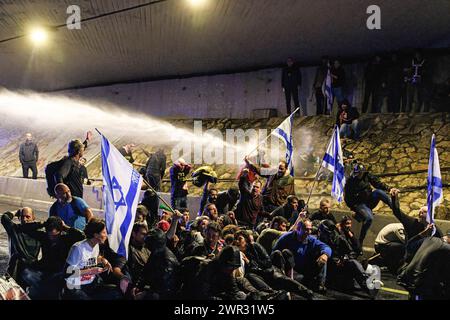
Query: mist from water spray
point(58, 113)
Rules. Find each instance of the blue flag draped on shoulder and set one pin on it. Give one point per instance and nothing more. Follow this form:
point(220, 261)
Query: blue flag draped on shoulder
point(122, 186)
point(334, 161)
point(435, 194)
point(284, 132)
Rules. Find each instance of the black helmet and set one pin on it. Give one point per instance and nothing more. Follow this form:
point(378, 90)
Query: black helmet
point(230, 256)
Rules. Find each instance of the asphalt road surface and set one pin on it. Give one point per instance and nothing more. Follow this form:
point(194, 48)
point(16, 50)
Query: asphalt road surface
point(390, 291)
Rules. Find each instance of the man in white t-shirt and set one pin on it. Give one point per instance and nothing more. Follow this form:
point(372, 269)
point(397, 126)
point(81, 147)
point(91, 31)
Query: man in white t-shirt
point(390, 244)
point(84, 265)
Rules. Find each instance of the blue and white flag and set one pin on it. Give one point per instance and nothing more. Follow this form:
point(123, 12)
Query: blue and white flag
point(121, 190)
point(334, 161)
point(434, 194)
point(327, 92)
point(284, 132)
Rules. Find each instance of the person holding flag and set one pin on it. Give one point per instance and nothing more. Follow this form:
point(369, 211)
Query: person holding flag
point(122, 185)
point(434, 182)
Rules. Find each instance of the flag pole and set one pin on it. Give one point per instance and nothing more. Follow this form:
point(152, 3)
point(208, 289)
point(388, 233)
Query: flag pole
point(268, 136)
point(149, 186)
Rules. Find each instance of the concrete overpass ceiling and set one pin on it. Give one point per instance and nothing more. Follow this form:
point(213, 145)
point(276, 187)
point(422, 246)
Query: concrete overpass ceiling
point(171, 38)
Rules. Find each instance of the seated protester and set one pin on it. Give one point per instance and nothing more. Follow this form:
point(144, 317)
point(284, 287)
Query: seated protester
point(211, 212)
point(310, 254)
point(232, 217)
point(209, 196)
point(23, 249)
point(151, 202)
point(269, 236)
point(196, 235)
point(212, 244)
point(74, 211)
point(47, 274)
point(427, 275)
point(84, 264)
point(259, 270)
point(289, 210)
point(138, 253)
point(158, 280)
point(184, 222)
point(278, 186)
point(119, 275)
point(250, 205)
point(347, 120)
point(324, 212)
point(345, 230)
point(415, 228)
point(205, 279)
point(343, 267)
point(226, 200)
point(390, 244)
point(141, 214)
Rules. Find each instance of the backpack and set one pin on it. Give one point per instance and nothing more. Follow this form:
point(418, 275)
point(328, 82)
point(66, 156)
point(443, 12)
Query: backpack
point(50, 171)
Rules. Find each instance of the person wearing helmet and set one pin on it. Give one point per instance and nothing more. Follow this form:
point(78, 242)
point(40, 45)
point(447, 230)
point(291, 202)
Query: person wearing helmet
point(361, 199)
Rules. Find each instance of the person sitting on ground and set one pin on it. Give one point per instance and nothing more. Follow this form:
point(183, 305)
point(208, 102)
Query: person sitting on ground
point(345, 230)
point(211, 212)
point(84, 264)
point(268, 237)
point(213, 279)
point(360, 198)
point(47, 274)
point(390, 245)
point(73, 210)
point(212, 243)
point(310, 254)
point(259, 270)
point(196, 235)
point(324, 212)
point(289, 210)
point(278, 186)
point(141, 214)
point(138, 253)
point(416, 229)
point(343, 267)
point(158, 280)
point(427, 275)
point(23, 249)
point(347, 120)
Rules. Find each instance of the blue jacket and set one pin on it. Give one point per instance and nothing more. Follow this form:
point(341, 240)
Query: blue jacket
point(305, 253)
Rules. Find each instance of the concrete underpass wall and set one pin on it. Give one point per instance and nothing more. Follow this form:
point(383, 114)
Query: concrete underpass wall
point(19, 192)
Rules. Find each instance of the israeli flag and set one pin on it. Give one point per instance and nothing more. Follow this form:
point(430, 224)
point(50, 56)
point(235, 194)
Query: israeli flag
point(121, 189)
point(334, 161)
point(284, 132)
point(327, 92)
point(434, 194)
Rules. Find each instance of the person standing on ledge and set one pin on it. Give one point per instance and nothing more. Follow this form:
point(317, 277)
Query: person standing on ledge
point(29, 156)
point(291, 80)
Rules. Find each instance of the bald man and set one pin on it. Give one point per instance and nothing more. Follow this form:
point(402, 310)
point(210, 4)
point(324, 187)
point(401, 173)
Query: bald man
point(24, 249)
point(29, 156)
point(74, 211)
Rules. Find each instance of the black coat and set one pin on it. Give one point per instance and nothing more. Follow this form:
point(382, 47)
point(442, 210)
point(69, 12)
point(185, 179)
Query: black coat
point(357, 191)
point(291, 77)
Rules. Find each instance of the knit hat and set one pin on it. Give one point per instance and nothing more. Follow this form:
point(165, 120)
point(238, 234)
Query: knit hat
point(164, 225)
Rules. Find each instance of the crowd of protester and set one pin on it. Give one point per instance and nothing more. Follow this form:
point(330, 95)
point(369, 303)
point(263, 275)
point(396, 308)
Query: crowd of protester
point(254, 241)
